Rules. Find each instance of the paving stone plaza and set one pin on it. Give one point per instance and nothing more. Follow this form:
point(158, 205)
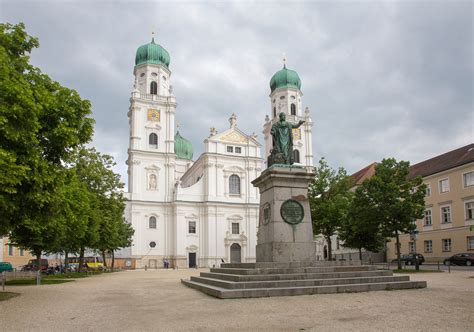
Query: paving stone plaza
point(156, 300)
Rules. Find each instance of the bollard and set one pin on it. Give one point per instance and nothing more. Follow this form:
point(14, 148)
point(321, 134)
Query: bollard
point(146, 267)
point(3, 281)
point(38, 278)
point(449, 267)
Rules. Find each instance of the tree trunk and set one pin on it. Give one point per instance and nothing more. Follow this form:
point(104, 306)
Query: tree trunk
point(81, 259)
point(38, 259)
point(113, 259)
point(399, 262)
point(66, 258)
point(360, 255)
point(103, 258)
point(328, 239)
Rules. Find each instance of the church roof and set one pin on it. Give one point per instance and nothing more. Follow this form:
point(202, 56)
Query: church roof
point(152, 53)
point(285, 78)
point(182, 147)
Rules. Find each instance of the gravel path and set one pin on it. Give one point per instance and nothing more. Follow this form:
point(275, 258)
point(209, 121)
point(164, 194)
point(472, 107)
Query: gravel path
point(156, 300)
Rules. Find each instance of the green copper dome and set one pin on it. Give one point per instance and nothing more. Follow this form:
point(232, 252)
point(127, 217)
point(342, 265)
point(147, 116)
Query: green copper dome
point(285, 78)
point(182, 147)
point(152, 53)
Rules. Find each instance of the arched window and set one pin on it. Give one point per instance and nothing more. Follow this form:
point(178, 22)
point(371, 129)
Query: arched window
point(152, 222)
point(153, 88)
point(296, 156)
point(293, 109)
point(153, 140)
point(234, 184)
point(274, 112)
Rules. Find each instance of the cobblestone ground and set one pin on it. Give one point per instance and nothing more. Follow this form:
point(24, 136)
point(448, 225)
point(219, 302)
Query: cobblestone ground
point(156, 300)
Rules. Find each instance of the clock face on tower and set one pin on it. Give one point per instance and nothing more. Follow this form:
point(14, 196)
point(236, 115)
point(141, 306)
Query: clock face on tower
point(153, 115)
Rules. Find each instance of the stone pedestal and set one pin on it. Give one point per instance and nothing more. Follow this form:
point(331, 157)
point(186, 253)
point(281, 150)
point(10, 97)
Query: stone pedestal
point(285, 235)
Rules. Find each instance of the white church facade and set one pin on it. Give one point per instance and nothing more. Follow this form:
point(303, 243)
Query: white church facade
point(202, 212)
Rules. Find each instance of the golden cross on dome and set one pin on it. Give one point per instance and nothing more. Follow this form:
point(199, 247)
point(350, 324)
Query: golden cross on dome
point(284, 60)
point(177, 125)
point(152, 35)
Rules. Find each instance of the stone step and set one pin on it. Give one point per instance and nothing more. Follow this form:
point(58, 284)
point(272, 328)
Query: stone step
point(294, 276)
point(249, 271)
point(223, 293)
point(288, 264)
point(296, 283)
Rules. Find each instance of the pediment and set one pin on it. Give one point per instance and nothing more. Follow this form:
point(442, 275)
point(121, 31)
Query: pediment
point(234, 137)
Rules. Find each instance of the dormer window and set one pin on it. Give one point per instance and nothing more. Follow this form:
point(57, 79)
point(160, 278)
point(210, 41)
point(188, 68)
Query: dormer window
point(230, 149)
point(238, 149)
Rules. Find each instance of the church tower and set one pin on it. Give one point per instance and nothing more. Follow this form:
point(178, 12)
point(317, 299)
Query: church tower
point(151, 153)
point(285, 96)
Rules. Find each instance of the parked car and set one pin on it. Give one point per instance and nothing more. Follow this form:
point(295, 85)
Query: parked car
point(460, 259)
point(5, 266)
point(410, 259)
point(33, 266)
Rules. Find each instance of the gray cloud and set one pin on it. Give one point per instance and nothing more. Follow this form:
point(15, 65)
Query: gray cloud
point(381, 78)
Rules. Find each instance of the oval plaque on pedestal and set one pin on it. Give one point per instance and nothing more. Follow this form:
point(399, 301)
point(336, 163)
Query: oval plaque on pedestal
point(292, 212)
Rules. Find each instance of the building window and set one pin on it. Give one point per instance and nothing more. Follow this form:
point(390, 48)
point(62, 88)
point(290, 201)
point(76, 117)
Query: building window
point(10, 249)
point(411, 246)
point(153, 140)
point(152, 222)
point(293, 109)
point(428, 221)
point(234, 184)
point(446, 244)
point(444, 186)
point(468, 179)
point(470, 243)
point(192, 227)
point(428, 246)
point(470, 210)
point(238, 149)
point(296, 156)
point(230, 149)
point(22, 252)
point(428, 190)
point(445, 214)
point(153, 88)
point(235, 228)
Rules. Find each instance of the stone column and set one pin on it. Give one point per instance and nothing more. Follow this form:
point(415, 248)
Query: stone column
point(285, 232)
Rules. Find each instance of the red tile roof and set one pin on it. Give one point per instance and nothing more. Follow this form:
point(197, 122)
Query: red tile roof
point(365, 173)
point(443, 162)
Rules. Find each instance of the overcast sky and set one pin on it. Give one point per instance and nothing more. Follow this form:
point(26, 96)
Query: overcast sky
point(382, 79)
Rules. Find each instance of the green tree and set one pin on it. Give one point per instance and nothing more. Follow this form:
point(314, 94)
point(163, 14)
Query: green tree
point(329, 198)
point(360, 230)
point(107, 230)
point(41, 122)
point(393, 199)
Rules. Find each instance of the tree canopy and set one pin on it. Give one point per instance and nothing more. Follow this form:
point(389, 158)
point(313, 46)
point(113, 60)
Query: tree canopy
point(392, 199)
point(329, 198)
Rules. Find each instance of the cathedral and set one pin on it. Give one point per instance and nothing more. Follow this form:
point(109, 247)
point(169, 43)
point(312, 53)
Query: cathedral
point(198, 212)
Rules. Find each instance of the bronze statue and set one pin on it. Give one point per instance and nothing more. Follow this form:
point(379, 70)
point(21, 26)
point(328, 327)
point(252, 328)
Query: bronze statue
point(282, 136)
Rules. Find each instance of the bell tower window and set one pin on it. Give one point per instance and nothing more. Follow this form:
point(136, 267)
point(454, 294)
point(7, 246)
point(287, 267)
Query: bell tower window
point(296, 156)
point(293, 109)
point(153, 140)
point(153, 88)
